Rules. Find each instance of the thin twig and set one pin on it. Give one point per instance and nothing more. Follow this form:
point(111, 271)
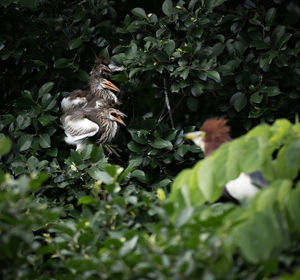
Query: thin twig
point(176, 106)
point(168, 103)
point(162, 114)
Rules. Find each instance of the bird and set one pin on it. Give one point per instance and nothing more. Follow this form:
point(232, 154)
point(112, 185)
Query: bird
point(99, 86)
point(100, 60)
point(93, 123)
point(212, 134)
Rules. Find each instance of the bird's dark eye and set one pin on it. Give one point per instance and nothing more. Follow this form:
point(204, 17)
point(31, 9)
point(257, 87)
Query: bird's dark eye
point(114, 114)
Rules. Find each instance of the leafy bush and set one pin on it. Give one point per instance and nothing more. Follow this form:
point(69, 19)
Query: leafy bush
point(273, 211)
point(93, 215)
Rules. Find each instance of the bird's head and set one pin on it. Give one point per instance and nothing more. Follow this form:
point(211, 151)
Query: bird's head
point(99, 71)
point(106, 84)
point(115, 115)
point(212, 134)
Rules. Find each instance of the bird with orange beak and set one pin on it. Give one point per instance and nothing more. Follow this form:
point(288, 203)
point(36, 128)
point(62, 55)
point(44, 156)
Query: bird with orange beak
point(91, 124)
point(98, 87)
point(212, 134)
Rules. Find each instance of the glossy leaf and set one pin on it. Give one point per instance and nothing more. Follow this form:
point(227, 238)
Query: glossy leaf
point(139, 12)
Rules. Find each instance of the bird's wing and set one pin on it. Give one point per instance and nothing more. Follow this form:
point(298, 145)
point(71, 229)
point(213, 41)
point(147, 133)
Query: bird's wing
point(77, 126)
point(77, 98)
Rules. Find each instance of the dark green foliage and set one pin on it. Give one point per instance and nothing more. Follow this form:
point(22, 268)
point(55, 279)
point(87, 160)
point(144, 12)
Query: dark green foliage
point(66, 214)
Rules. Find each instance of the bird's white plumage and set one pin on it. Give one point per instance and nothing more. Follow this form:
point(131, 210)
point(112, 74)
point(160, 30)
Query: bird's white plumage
point(199, 142)
point(78, 130)
point(241, 187)
point(67, 103)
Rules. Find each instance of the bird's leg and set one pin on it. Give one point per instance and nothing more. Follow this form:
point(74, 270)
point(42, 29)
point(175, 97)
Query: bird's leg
point(111, 149)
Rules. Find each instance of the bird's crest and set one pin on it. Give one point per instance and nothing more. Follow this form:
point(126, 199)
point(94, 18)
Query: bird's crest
point(216, 126)
point(216, 133)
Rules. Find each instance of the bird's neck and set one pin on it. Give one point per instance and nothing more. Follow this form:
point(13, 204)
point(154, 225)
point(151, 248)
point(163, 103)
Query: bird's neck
point(94, 84)
point(109, 128)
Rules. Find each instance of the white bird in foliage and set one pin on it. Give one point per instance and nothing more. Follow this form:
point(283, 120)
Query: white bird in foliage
point(213, 133)
point(91, 124)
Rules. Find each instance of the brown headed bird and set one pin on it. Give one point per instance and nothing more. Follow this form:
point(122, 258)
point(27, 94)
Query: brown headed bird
point(213, 133)
point(98, 87)
point(91, 124)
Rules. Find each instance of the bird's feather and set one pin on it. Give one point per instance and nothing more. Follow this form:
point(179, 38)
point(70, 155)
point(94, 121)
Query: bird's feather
point(242, 187)
point(78, 126)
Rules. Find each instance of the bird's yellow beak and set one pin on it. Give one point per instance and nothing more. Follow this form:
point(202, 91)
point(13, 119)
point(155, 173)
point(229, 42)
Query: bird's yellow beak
point(194, 135)
point(119, 119)
point(109, 85)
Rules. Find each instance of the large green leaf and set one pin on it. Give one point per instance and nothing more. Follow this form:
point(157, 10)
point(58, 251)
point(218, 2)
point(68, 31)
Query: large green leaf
point(167, 7)
point(160, 143)
point(139, 12)
point(239, 101)
point(5, 145)
point(45, 88)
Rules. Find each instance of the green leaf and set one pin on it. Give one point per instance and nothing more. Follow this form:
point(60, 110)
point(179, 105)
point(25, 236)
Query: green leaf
point(128, 246)
point(61, 63)
point(279, 37)
point(5, 145)
point(140, 175)
point(238, 101)
point(139, 12)
point(23, 121)
point(97, 153)
point(133, 71)
point(87, 200)
point(24, 142)
point(81, 264)
point(134, 147)
point(260, 45)
point(184, 216)
point(293, 155)
point(205, 178)
point(45, 119)
point(135, 161)
point(102, 176)
point(160, 143)
point(139, 136)
point(185, 74)
point(75, 43)
point(270, 16)
point(76, 157)
point(45, 141)
point(271, 91)
point(82, 75)
point(214, 75)
point(170, 47)
point(256, 97)
point(167, 7)
point(45, 88)
point(197, 89)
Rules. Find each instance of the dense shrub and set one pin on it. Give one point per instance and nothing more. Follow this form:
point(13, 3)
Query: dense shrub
point(94, 215)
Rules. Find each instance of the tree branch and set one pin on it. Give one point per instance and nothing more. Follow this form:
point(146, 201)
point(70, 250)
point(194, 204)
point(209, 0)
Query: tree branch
point(168, 103)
